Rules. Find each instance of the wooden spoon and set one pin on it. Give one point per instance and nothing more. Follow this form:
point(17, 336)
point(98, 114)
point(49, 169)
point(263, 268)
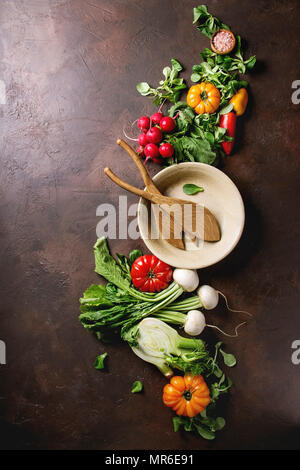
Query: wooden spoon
point(193, 218)
point(172, 239)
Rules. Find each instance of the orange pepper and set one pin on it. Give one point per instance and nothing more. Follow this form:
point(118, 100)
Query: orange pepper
point(188, 395)
point(204, 98)
point(240, 101)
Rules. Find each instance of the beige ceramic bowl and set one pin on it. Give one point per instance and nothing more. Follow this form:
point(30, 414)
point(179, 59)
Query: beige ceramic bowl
point(220, 196)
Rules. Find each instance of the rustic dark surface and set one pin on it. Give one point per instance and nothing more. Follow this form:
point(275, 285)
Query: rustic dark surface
point(70, 69)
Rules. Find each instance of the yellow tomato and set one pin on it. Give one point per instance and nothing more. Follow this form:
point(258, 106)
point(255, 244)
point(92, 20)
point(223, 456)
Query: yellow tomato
point(204, 98)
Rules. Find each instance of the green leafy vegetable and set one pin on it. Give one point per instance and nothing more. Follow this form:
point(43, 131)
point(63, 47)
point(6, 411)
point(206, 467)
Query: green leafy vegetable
point(217, 68)
point(229, 359)
point(119, 307)
point(208, 24)
point(99, 362)
point(226, 109)
point(204, 425)
point(191, 189)
point(170, 88)
point(119, 304)
point(133, 255)
point(137, 387)
point(197, 138)
point(107, 267)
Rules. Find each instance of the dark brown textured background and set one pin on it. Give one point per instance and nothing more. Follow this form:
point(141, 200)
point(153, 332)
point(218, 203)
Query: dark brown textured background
point(70, 69)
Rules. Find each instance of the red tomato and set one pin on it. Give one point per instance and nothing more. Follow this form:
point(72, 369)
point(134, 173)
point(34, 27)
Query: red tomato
point(149, 274)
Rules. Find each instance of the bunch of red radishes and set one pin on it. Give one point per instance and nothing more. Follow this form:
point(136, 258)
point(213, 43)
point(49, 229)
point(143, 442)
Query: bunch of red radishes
point(152, 135)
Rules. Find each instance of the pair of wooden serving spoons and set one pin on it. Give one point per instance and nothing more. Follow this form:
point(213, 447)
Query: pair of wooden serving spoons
point(194, 219)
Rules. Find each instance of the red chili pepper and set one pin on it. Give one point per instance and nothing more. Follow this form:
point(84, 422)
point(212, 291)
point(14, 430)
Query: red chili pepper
point(149, 274)
point(228, 121)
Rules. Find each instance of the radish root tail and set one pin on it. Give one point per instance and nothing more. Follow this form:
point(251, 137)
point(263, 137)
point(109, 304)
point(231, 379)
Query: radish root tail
point(227, 334)
point(230, 309)
point(127, 136)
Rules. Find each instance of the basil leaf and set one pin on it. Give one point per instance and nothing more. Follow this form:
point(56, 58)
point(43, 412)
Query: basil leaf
point(99, 361)
point(191, 189)
point(137, 387)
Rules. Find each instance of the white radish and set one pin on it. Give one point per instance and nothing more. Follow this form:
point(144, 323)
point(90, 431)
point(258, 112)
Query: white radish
point(195, 323)
point(208, 296)
point(186, 278)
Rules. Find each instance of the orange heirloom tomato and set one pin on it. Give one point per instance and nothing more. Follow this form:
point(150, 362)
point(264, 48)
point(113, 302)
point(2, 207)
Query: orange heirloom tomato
point(204, 98)
point(188, 395)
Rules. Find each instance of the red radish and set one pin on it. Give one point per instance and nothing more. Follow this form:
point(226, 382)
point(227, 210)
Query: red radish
point(166, 150)
point(140, 151)
point(157, 117)
point(143, 140)
point(151, 152)
point(144, 123)
point(154, 135)
point(167, 124)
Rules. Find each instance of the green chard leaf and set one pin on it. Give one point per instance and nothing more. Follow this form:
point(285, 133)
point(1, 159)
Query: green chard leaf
point(106, 265)
point(95, 295)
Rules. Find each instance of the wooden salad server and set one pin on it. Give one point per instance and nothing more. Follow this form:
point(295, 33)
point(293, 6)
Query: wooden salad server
point(191, 217)
point(150, 186)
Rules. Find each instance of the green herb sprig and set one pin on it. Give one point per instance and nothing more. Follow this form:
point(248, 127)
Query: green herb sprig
point(208, 24)
point(169, 89)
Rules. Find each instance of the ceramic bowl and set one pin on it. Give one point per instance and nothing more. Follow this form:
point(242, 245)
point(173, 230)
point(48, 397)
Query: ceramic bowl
point(229, 49)
point(220, 196)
